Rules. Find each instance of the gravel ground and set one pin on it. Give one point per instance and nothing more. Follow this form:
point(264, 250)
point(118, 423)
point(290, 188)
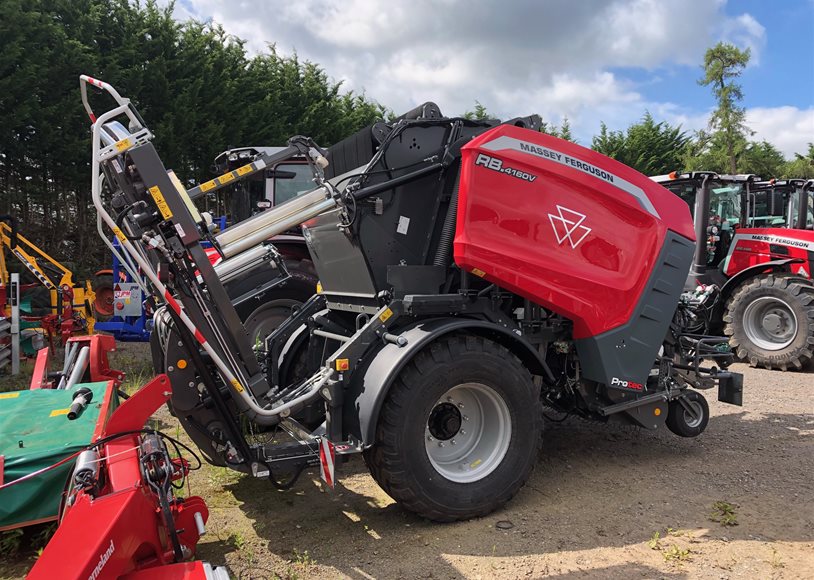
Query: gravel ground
point(602, 503)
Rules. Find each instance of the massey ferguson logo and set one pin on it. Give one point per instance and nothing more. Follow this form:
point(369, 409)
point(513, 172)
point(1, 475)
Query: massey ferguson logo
point(626, 384)
point(567, 225)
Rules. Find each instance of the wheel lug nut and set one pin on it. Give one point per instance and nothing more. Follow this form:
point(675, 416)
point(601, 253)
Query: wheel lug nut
point(466, 418)
point(440, 444)
point(429, 437)
point(460, 405)
point(463, 432)
point(449, 399)
point(452, 442)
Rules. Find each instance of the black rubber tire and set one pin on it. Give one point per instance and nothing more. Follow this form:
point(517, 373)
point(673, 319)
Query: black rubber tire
point(798, 293)
point(266, 318)
point(398, 460)
point(677, 418)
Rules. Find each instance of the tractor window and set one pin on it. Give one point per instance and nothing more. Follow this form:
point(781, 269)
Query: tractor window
point(290, 186)
point(725, 204)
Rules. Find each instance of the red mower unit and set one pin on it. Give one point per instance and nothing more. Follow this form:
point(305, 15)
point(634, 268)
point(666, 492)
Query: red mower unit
point(120, 517)
point(472, 272)
point(751, 280)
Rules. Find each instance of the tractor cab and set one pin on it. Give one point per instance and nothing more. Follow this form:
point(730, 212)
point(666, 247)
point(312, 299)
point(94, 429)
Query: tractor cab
point(777, 204)
point(720, 205)
point(269, 188)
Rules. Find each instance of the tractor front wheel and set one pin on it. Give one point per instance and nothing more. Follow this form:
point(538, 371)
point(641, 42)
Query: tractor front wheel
point(459, 432)
point(770, 322)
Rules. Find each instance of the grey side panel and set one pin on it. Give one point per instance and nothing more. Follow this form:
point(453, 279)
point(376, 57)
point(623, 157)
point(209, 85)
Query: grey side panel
point(337, 258)
point(369, 387)
point(627, 353)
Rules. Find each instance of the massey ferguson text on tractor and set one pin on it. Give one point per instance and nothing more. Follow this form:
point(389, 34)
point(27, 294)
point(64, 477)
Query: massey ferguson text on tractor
point(471, 272)
point(753, 264)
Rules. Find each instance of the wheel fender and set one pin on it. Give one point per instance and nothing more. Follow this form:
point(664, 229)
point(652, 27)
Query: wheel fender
point(368, 391)
point(732, 284)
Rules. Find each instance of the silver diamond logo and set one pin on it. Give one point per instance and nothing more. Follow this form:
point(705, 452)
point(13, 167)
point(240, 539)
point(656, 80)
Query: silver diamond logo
point(567, 225)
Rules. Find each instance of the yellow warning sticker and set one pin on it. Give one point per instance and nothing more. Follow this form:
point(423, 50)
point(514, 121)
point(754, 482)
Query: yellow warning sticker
point(9, 395)
point(58, 412)
point(478, 273)
point(120, 234)
point(385, 316)
point(236, 384)
point(123, 144)
point(342, 364)
point(208, 185)
point(226, 178)
point(244, 170)
point(161, 202)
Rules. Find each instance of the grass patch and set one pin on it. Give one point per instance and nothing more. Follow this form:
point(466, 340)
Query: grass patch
point(674, 554)
point(723, 513)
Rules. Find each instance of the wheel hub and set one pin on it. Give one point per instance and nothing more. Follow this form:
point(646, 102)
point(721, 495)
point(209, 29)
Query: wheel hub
point(468, 432)
point(770, 323)
point(445, 421)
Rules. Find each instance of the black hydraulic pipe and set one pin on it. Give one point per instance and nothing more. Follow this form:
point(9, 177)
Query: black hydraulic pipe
point(702, 209)
point(802, 211)
point(366, 192)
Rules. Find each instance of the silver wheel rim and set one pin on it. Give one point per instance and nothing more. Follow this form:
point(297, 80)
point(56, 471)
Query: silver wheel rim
point(691, 421)
point(770, 323)
point(468, 432)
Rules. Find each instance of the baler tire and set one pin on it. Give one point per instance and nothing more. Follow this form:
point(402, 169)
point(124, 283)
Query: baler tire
point(677, 416)
point(796, 295)
point(399, 460)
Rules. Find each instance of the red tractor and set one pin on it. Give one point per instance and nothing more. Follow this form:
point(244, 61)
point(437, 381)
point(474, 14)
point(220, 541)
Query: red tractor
point(751, 280)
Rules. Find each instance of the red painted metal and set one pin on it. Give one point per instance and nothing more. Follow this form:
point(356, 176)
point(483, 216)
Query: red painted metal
point(509, 235)
point(120, 529)
point(753, 246)
point(98, 363)
point(135, 411)
point(39, 379)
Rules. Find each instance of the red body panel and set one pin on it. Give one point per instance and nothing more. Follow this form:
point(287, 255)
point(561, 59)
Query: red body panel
point(754, 246)
point(557, 223)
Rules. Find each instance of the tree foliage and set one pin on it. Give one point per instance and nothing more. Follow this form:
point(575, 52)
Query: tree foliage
point(195, 85)
point(723, 63)
point(563, 131)
point(647, 146)
point(801, 166)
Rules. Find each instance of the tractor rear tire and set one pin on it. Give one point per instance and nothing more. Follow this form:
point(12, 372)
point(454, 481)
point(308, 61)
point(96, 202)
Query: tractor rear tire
point(770, 322)
point(457, 382)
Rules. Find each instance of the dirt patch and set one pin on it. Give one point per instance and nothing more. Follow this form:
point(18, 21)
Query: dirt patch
point(737, 502)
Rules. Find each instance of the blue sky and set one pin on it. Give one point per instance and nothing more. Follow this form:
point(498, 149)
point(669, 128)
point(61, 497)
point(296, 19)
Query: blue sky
point(592, 61)
point(783, 74)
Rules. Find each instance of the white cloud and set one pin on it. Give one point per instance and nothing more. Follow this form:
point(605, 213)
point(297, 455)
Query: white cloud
point(556, 58)
point(788, 128)
point(746, 32)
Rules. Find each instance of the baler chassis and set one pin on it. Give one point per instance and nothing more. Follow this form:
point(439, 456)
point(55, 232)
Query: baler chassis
point(424, 350)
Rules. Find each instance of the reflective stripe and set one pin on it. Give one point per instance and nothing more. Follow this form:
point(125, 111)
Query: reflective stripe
point(505, 142)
